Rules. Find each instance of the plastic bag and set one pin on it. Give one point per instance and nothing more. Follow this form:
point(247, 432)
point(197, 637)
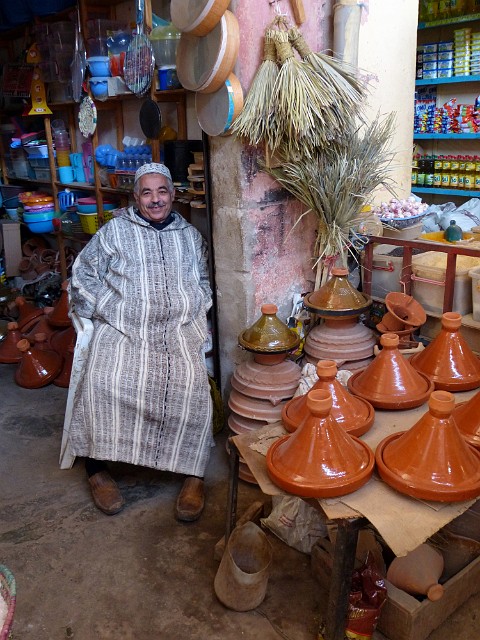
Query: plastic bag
point(368, 594)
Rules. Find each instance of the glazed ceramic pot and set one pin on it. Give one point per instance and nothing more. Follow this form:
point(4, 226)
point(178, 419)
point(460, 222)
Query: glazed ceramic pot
point(405, 309)
point(467, 417)
point(63, 378)
point(27, 313)
point(274, 382)
point(448, 360)
point(59, 316)
point(269, 334)
point(8, 346)
point(390, 381)
point(338, 297)
point(37, 368)
point(340, 339)
point(353, 414)
point(320, 459)
point(431, 461)
point(255, 408)
point(42, 326)
point(418, 572)
point(62, 339)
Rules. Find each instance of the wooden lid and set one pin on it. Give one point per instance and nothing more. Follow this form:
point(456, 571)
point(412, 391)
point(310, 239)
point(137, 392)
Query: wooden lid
point(217, 111)
point(197, 18)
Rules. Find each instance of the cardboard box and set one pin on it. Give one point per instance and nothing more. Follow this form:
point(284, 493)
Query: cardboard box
point(12, 246)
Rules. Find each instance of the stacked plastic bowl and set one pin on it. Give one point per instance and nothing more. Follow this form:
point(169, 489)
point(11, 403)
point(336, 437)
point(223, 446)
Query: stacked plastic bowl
point(39, 211)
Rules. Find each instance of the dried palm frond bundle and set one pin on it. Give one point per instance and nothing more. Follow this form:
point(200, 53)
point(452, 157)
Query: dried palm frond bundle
point(257, 117)
point(336, 182)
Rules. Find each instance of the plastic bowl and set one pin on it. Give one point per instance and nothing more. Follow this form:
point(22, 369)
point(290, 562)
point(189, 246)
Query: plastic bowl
point(13, 214)
point(38, 217)
point(99, 66)
point(99, 87)
point(44, 226)
point(92, 208)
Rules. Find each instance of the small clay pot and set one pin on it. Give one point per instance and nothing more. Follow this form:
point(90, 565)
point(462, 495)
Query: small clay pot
point(418, 572)
point(37, 368)
point(9, 353)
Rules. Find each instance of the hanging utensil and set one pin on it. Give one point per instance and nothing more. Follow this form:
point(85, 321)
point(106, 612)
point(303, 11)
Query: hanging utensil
point(150, 119)
point(79, 63)
point(139, 59)
point(87, 117)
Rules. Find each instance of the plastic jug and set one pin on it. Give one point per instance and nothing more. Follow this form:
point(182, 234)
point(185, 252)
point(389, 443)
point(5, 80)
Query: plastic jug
point(164, 41)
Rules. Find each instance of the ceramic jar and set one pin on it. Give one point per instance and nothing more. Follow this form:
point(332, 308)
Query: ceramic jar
point(36, 368)
point(269, 334)
point(418, 572)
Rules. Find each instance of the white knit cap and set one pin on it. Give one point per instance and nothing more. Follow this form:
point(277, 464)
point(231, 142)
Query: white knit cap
point(152, 167)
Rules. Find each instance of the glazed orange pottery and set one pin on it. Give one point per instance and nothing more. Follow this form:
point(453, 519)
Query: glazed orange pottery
point(467, 417)
point(354, 414)
point(320, 459)
point(448, 360)
point(63, 379)
point(59, 316)
point(431, 461)
point(338, 297)
point(390, 381)
point(8, 346)
point(42, 326)
point(27, 312)
point(418, 572)
point(37, 368)
point(405, 309)
point(269, 334)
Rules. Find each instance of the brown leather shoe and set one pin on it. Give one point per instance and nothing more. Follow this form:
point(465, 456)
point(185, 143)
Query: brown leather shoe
point(105, 492)
point(191, 500)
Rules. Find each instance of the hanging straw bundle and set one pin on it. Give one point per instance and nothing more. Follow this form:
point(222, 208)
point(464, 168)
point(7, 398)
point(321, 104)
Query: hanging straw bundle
point(257, 118)
point(336, 182)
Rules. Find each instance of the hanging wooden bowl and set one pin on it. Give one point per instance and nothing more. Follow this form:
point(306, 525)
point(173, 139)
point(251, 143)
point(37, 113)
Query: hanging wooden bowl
point(217, 111)
point(197, 18)
point(204, 63)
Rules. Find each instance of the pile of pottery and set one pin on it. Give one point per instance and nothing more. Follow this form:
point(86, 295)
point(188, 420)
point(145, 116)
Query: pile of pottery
point(403, 317)
point(38, 259)
point(41, 342)
point(340, 336)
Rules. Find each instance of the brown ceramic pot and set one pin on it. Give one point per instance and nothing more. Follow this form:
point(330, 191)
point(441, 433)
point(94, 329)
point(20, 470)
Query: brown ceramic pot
point(418, 572)
point(467, 417)
point(37, 368)
point(62, 339)
point(269, 334)
point(27, 312)
point(431, 461)
point(272, 382)
point(405, 309)
point(338, 297)
point(448, 360)
point(353, 414)
point(63, 379)
point(59, 316)
point(320, 459)
point(255, 408)
point(42, 326)
point(8, 346)
point(390, 381)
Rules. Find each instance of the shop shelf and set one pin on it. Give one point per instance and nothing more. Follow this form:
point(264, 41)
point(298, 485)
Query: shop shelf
point(453, 80)
point(448, 192)
point(445, 21)
point(446, 136)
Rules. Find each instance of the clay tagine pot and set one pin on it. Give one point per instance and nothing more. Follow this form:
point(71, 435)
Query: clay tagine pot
point(37, 368)
point(448, 360)
point(467, 417)
point(342, 339)
point(431, 461)
point(353, 414)
point(27, 313)
point(62, 339)
point(8, 346)
point(239, 424)
point(42, 326)
point(390, 381)
point(320, 459)
point(59, 316)
point(418, 572)
point(273, 382)
point(269, 334)
point(63, 379)
point(338, 297)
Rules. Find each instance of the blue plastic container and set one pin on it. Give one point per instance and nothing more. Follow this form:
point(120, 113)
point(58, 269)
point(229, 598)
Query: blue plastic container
point(99, 66)
point(99, 87)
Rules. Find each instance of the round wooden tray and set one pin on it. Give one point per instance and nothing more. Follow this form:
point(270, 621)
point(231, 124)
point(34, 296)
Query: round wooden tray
point(217, 111)
point(197, 18)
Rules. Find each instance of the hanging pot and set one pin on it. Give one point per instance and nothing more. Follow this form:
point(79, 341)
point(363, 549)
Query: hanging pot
point(150, 119)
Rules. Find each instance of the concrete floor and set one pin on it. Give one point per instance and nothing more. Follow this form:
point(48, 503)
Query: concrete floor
point(140, 574)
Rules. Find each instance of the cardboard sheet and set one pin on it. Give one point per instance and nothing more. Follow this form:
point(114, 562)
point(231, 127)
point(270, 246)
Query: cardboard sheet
point(403, 522)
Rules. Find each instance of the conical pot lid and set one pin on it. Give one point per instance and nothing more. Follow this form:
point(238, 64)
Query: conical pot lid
point(62, 339)
point(59, 316)
point(390, 381)
point(320, 459)
point(41, 326)
point(27, 312)
point(36, 368)
point(448, 360)
point(269, 334)
point(405, 309)
point(353, 414)
point(431, 461)
point(338, 297)
point(467, 417)
point(9, 353)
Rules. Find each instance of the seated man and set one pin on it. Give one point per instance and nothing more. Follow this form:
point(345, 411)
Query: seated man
point(144, 396)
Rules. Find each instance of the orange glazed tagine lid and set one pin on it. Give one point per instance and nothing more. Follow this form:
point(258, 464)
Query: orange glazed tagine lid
point(448, 360)
point(320, 459)
point(354, 414)
point(37, 368)
point(8, 346)
point(467, 417)
point(431, 461)
point(338, 297)
point(390, 381)
point(269, 334)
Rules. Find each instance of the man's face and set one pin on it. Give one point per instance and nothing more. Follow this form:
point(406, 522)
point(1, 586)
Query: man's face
point(153, 199)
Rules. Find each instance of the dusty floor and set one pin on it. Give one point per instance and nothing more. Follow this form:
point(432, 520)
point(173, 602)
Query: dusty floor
point(140, 574)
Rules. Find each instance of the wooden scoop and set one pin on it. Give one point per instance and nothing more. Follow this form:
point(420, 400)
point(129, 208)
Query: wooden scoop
point(298, 11)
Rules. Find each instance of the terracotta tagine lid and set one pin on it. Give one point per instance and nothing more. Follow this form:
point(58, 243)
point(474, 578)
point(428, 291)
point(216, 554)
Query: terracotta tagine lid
point(418, 572)
point(340, 339)
point(37, 368)
point(42, 326)
point(320, 459)
point(269, 334)
point(354, 414)
point(255, 408)
point(338, 297)
point(448, 360)
point(59, 316)
point(63, 379)
point(467, 417)
point(27, 312)
point(405, 309)
point(8, 346)
point(431, 461)
point(390, 381)
point(272, 382)
point(239, 424)
point(62, 339)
